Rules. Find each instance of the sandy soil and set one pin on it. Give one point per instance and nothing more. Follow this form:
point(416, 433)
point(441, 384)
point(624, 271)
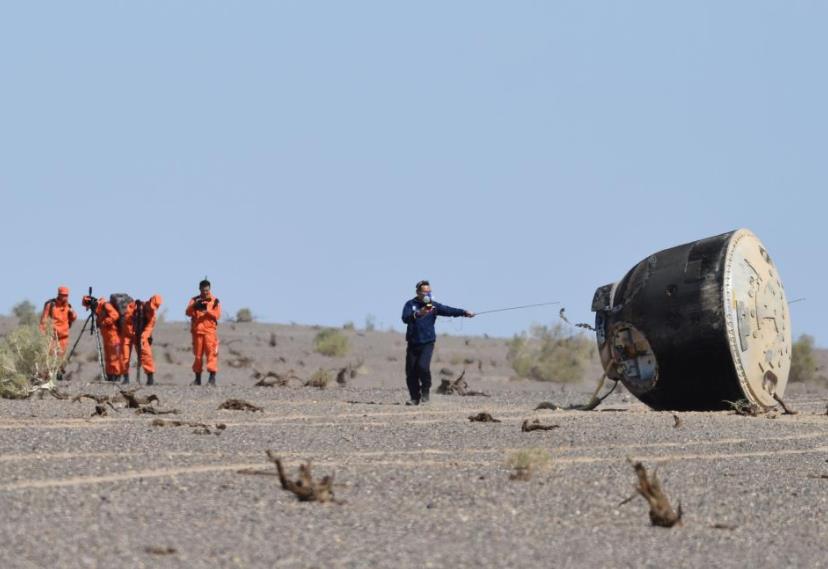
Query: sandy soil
point(423, 487)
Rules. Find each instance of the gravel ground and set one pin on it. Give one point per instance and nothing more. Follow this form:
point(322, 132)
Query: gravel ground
point(422, 487)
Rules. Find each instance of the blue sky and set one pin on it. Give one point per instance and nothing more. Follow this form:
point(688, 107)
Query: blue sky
point(316, 159)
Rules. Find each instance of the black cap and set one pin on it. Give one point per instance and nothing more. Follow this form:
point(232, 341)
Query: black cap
point(203, 283)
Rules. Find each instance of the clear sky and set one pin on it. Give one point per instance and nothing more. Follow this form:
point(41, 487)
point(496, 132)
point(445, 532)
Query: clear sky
point(316, 159)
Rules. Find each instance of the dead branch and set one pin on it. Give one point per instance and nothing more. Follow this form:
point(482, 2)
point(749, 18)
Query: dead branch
point(724, 526)
point(787, 410)
point(677, 420)
point(150, 410)
point(547, 405)
point(134, 401)
point(273, 378)
point(521, 474)
point(200, 428)
point(160, 550)
point(99, 399)
point(661, 512)
point(305, 488)
point(535, 425)
point(745, 408)
point(483, 418)
point(240, 405)
point(458, 387)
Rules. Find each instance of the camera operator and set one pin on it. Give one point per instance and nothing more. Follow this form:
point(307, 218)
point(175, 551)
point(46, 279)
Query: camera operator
point(108, 323)
point(420, 313)
point(204, 312)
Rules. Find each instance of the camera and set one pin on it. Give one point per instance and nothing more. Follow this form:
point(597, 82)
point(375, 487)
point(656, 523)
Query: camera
point(90, 303)
point(200, 305)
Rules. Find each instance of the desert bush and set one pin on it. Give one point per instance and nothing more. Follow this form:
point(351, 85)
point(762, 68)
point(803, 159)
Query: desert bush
point(550, 354)
point(25, 312)
point(348, 326)
point(331, 342)
point(370, 323)
point(244, 315)
point(526, 461)
point(803, 360)
point(26, 362)
point(320, 379)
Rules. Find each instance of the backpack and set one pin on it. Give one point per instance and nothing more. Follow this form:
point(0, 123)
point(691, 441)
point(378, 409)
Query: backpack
point(51, 304)
point(120, 300)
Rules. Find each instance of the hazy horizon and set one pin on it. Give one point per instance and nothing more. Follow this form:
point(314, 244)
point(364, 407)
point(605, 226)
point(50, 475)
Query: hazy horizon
point(316, 160)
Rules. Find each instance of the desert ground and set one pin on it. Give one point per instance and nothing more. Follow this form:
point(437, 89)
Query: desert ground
point(414, 487)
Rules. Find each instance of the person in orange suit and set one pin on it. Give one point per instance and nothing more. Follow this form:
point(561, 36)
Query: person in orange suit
point(108, 324)
point(60, 312)
point(204, 311)
point(141, 315)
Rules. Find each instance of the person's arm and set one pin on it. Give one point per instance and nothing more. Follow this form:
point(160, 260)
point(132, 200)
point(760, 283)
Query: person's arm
point(109, 314)
point(214, 309)
point(443, 310)
point(190, 312)
point(408, 313)
point(44, 318)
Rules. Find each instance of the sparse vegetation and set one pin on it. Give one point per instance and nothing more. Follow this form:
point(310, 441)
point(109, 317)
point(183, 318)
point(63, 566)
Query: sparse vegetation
point(320, 379)
point(331, 342)
point(550, 354)
point(244, 315)
point(803, 360)
point(526, 461)
point(348, 326)
point(25, 313)
point(26, 363)
point(370, 323)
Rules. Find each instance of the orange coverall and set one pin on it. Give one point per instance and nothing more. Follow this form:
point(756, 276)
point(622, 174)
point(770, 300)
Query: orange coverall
point(111, 337)
point(203, 328)
point(150, 309)
point(62, 317)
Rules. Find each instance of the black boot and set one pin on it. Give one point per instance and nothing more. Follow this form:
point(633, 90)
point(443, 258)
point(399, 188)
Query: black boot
point(150, 378)
point(125, 380)
point(112, 378)
point(212, 379)
point(197, 379)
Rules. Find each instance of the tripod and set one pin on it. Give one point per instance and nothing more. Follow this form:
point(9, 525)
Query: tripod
point(92, 322)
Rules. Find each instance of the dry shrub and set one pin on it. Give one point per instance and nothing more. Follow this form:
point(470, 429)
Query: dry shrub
point(526, 461)
point(331, 342)
point(320, 379)
point(803, 361)
point(27, 364)
point(25, 312)
point(550, 354)
point(244, 315)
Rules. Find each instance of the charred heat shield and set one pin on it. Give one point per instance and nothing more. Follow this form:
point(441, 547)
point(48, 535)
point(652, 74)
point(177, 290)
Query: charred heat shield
point(698, 325)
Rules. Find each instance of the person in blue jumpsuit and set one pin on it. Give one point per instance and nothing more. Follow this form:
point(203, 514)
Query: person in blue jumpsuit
point(419, 314)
